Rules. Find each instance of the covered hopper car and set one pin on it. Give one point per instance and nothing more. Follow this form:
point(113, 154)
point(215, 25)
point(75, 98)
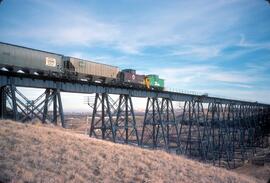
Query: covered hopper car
point(89, 70)
point(28, 60)
point(32, 61)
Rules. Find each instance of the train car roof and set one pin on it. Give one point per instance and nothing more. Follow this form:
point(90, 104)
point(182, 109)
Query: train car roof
point(30, 48)
point(54, 53)
point(92, 61)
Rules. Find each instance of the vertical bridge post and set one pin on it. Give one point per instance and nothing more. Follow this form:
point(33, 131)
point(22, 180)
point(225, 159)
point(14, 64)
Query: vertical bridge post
point(152, 125)
point(102, 123)
point(191, 128)
point(125, 124)
point(9, 108)
point(3, 102)
point(169, 122)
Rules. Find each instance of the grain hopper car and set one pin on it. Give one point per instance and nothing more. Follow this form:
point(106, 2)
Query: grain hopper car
point(18, 58)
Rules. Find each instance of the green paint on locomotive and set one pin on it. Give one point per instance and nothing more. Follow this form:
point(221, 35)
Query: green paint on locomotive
point(155, 81)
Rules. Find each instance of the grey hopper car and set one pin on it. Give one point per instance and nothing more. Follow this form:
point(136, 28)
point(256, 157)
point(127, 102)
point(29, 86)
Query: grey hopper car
point(29, 60)
point(90, 70)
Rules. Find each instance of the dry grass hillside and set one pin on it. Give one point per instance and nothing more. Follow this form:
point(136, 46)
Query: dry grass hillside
point(258, 166)
point(36, 153)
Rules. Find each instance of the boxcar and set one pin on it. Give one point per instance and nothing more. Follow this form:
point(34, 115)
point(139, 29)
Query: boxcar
point(15, 57)
point(92, 69)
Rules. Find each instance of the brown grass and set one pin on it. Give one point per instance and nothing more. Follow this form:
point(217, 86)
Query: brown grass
point(36, 153)
point(260, 172)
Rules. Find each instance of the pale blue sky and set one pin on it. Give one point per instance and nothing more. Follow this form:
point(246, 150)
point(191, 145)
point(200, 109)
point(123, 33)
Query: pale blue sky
point(220, 47)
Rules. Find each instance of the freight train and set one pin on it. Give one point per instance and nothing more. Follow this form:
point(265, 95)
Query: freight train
point(32, 61)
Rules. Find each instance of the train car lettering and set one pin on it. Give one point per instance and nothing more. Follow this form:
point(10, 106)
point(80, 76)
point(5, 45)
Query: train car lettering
point(50, 62)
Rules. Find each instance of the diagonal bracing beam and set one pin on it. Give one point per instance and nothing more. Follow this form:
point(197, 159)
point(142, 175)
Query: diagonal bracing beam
point(23, 109)
point(169, 122)
point(125, 124)
point(153, 131)
point(102, 122)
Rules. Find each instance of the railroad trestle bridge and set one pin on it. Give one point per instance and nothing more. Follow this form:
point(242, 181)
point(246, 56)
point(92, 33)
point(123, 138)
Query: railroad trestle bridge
point(225, 132)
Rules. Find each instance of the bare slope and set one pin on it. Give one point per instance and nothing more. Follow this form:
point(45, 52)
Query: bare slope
point(258, 166)
point(260, 172)
point(35, 153)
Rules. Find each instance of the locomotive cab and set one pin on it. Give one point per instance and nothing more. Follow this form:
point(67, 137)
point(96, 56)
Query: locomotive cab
point(153, 82)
